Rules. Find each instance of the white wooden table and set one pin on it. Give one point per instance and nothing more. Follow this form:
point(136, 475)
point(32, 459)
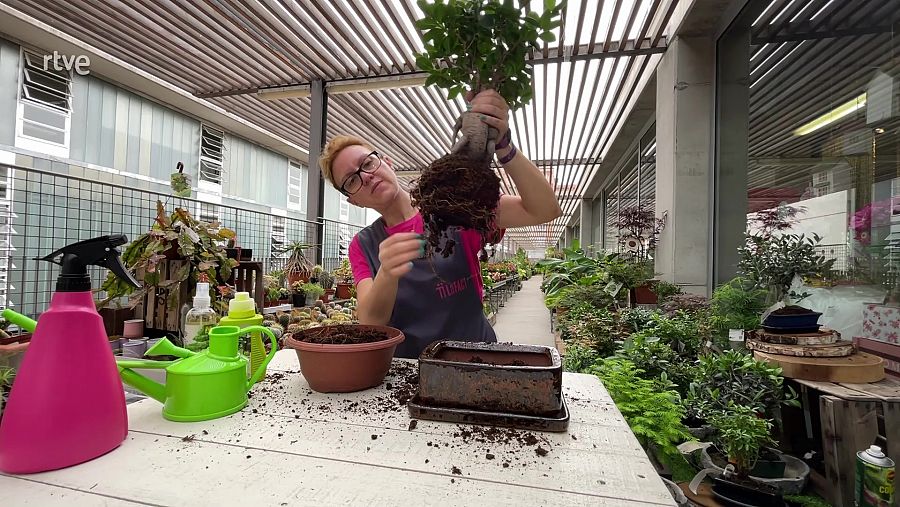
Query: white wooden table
point(291, 446)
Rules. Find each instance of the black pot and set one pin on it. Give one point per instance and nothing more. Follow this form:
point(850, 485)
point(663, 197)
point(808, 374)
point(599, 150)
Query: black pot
point(731, 493)
point(245, 254)
point(298, 299)
point(793, 322)
point(769, 469)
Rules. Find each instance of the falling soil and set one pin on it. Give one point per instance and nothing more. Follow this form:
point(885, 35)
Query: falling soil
point(459, 191)
point(345, 336)
point(792, 310)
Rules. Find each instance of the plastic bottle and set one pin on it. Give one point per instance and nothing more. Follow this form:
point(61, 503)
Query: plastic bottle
point(201, 317)
point(242, 313)
point(67, 405)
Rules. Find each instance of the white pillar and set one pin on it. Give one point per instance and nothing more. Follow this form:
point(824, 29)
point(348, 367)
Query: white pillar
point(684, 100)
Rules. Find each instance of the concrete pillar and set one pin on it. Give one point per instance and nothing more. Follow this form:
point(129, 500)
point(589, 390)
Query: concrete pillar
point(683, 141)
point(586, 225)
point(730, 188)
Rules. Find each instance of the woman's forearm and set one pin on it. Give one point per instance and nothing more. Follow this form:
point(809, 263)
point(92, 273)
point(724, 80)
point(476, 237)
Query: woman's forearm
point(538, 198)
point(376, 302)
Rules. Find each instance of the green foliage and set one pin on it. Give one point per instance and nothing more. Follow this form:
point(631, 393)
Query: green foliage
point(650, 407)
point(737, 305)
point(691, 304)
point(573, 295)
point(595, 328)
point(630, 273)
point(665, 290)
point(579, 359)
point(735, 378)
point(809, 500)
point(682, 332)
point(658, 361)
point(637, 319)
point(312, 290)
point(7, 376)
point(199, 243)
point(576, 267)
point(772, 262)
point(481, 44)
point(343, 273)
point(740, 434)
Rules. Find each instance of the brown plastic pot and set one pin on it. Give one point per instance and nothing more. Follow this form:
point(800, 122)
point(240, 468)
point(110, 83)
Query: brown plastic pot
point(345, 368)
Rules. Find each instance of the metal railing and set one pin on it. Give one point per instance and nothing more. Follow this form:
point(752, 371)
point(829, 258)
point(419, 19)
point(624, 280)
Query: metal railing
point(42, 211)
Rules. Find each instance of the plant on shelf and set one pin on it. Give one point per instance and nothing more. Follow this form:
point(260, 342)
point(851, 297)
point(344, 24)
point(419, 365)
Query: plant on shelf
point(313, 291)
point(326, 280)
point(474, 45)
point(297, 266)
point(343, 273)
point(737, 378)
point(175, 236)
point(741, 434)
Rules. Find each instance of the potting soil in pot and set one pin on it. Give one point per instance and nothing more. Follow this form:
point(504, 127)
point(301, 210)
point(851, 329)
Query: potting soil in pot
point(345, 337)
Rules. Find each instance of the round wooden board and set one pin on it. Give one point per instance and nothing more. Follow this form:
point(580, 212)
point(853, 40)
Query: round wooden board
point(824, 336)
point(839, 349)
point(859, 368)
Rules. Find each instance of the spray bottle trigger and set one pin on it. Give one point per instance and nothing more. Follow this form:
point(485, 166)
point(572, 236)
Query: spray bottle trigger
point(114, 263)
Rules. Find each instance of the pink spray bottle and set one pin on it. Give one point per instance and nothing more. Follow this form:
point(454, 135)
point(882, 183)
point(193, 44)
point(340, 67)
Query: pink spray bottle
point(67, 404)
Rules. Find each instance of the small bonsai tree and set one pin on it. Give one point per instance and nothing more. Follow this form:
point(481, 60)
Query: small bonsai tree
point(741, 434)
point(474, 45)
point(773, 262)
point(639, 231)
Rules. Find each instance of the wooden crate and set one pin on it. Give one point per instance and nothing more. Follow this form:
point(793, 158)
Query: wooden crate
point(155, 311)
point(849, 418)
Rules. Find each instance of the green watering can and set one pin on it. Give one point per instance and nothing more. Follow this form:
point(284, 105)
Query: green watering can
point(201, 385)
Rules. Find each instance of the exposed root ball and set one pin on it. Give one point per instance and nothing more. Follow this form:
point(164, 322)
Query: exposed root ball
point(456, 191)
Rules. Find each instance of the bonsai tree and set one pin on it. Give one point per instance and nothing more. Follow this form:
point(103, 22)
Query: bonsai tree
point(639, 231)
point(178, 235)
point(474, 45)
point(741, 434)
point(297, 266)
point(772, 262)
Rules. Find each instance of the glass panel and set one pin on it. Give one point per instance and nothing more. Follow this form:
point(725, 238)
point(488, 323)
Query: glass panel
point(809, 121)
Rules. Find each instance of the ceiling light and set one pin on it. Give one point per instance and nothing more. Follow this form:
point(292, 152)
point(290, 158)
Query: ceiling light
point(832, 116)
point(376, 83)
point(879, 130)
point(284, 92)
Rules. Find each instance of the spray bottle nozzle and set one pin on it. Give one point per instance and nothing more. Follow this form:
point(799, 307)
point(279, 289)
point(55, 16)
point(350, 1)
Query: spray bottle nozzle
point(75, 259)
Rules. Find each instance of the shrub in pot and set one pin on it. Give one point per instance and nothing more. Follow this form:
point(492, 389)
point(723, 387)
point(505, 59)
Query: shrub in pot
point(298, 297)
point(343, 275)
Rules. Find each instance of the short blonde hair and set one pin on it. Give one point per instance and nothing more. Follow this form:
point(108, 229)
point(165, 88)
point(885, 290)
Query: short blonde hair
point(331, 150)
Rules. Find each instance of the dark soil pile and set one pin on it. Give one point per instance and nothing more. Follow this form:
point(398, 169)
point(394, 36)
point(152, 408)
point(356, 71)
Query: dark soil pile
point(341, 336)
point(792, 310)
point(456, 190)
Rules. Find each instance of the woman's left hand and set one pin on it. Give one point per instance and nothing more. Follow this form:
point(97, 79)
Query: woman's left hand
point(493, 109)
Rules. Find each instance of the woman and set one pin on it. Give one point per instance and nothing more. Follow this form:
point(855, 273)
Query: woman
point(436, 298)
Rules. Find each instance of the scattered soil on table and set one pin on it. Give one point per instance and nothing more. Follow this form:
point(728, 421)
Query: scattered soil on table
point(412, 424)
point(456, 471)
point(540, 451)
point(345, 336)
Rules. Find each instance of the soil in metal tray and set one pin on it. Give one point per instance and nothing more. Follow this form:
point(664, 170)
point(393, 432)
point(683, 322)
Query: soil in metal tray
point(495, 358)
point(344, 337)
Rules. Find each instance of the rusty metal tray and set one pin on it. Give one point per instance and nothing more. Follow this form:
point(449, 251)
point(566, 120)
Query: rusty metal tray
point(558, 422)
point(499, 377)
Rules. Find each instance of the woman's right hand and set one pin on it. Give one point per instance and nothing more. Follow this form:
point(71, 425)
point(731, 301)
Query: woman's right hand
point(397, 252)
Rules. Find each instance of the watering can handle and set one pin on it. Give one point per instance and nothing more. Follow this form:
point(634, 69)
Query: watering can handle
point(261, 370)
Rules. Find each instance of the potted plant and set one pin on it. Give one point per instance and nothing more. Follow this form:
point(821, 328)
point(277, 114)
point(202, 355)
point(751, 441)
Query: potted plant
point(474, 46)
point(312, 291)
point(298, 297)
point(326, 280)
point(7, 375)
point(297, 266)
point(773, 263)
point(343, 275)
point(178, 236)
point(344, 357)
point(638, 235)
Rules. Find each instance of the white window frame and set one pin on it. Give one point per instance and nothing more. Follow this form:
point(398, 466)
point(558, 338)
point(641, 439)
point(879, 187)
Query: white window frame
point(31, 143)
point(295, 186)
point(209, 159)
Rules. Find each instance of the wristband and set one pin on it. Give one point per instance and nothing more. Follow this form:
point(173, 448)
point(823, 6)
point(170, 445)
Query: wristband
point(504, 141)
point(509, 156)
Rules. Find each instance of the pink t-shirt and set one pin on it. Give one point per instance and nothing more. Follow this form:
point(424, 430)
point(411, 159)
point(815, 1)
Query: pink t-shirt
point(471, 243)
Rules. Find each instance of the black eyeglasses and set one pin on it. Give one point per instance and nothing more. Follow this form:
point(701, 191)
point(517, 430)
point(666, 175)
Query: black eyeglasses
point(354, 182)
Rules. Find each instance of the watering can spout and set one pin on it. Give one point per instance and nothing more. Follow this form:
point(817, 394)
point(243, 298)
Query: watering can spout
point(143, 384)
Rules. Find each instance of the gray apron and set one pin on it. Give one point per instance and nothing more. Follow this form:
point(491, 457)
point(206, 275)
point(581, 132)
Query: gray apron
point(429, 306)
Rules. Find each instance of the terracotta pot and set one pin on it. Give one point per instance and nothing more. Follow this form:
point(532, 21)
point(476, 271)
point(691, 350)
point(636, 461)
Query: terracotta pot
point(294, 277)
point(345, 368)
point(325, 297)
point(343, 291)
point(644, 295)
